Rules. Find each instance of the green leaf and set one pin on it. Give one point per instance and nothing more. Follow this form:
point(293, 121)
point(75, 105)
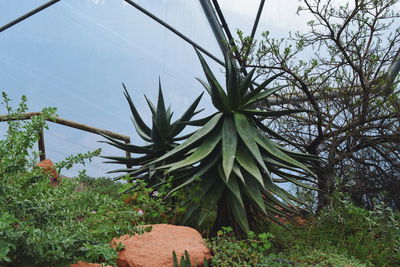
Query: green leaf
point(262, 95)
point(161, 118)
point(189, 113)
point(205, 85)
point(183, 137)
point(264, 128)
point(143, 127)
point(206, 166)
point(245, 160)
point(247, 134)
point(127, 146)
point(232, 185)
point(232, 83)
point(199, 122)
point(239, 213)
point(142, 134)
point(238, 172)
point(218, 95)
point(206, 147)
point(246, 82)
point(272, 114)
point(229, 143)
point(294, 179)
point(274, 151)
point(208, 127)
point(252, 190)
point(257, 90)
point(151, 106)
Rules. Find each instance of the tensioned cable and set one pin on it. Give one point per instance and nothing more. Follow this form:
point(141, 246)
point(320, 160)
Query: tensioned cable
point(172, 29)
point(27, 15)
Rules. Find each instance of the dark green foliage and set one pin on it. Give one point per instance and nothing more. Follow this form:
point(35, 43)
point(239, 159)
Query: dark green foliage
point(160, 138)
point(258, 250)
point(228, 251)
point(373, 237)
point(44, 225)
point(234, 161)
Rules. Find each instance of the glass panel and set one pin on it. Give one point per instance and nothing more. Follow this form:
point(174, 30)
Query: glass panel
point(75, 55)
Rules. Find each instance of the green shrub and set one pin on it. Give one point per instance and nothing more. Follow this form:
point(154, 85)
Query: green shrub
point(152, 204)
point(229, 251)
point(370, 236)
point(46, 225)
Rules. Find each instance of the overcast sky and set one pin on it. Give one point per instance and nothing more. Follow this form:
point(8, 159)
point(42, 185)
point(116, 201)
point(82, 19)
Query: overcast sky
point(75, 55)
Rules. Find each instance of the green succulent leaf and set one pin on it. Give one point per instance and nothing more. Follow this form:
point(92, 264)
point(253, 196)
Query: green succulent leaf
point(142, 134)
point(208, 164)
point(229, 144)
point(273, 113)
point(261, 87)
point(261, 95)
point(245, 160)
point(252, 190)
point(274, 151)
point(189, 113)
point(239, 212)
point(218, 95)
point(143, 127)
point(206, 147)
point(247, 134)
point(246, 82)
point(196, 137)
point(151, 106)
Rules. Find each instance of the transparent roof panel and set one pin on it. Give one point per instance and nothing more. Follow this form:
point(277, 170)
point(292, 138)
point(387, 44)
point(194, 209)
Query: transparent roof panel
point(10, 10)
point(75, 54)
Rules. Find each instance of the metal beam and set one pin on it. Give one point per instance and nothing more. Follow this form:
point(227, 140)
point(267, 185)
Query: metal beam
point(255, 25)
point(215, 25)
point(27, 15)
point(172, 29)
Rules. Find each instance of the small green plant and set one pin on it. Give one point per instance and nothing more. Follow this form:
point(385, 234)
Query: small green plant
point(160, 138)
point(229, 251)
point(151, 203)
point(185, 260)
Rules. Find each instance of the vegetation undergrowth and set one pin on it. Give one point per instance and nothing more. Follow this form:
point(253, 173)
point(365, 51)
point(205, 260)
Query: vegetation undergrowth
point(43, 224)
point(371, 236)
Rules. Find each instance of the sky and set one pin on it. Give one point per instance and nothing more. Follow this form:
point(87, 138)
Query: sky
point(75, 54)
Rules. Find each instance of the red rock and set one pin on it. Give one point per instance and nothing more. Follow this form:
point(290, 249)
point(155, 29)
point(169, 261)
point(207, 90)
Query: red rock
point(48, 167)
point(85, 264)
point(154, 249)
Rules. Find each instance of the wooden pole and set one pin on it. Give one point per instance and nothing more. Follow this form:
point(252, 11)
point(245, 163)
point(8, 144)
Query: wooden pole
point(83, 127)
point(42, 149)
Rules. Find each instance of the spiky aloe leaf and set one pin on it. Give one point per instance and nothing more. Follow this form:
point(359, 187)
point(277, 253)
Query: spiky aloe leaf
point(196, 137)
point(179, 125)
point(143, 127)
point(233, 158)
point(161, 137)
point(229, 144)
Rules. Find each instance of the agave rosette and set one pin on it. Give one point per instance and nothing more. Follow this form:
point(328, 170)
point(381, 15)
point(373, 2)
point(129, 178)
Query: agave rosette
point(160, 138)
point(235, 162)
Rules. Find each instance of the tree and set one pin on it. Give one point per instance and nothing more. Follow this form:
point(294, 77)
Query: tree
point(350, 84)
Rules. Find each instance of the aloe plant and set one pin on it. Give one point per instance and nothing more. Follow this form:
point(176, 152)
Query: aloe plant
point(235, 162)
point(160, 138)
